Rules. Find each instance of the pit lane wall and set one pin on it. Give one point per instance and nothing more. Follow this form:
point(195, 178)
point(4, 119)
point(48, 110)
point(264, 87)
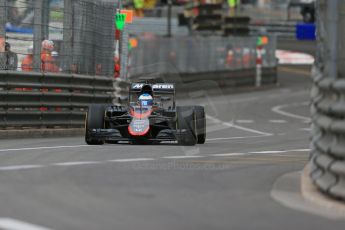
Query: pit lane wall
point(228, 62)
point(327, 160)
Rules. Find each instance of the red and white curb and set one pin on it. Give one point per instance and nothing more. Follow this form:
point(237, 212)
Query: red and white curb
point(294, 58)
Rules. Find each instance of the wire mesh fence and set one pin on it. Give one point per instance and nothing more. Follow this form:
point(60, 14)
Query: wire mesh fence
point(82, 32)
point(198, 54)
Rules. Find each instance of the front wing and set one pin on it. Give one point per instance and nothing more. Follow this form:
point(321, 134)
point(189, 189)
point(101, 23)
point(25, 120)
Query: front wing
point(115, 135)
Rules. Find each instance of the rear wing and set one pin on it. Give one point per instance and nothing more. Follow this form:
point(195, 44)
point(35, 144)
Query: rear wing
point(168, 88)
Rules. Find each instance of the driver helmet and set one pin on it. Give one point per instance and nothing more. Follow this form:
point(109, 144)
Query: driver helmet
point(145, 99)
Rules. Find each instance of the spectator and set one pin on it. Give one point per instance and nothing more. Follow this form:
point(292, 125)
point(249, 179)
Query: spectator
point(2, 54)
point(98, 69)
point(48, 61)
point(233, 5)
point(27, 63)
point(11, 58)
point(139, 8)
point(117, 66)
point(74, 68)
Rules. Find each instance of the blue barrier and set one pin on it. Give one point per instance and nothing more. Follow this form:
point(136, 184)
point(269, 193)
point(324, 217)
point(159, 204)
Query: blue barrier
point(305, 31)
point(15, 29)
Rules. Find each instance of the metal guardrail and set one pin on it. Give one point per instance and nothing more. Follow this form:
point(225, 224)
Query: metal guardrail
point(48, 100)
point(279, 28)
point(158, 26)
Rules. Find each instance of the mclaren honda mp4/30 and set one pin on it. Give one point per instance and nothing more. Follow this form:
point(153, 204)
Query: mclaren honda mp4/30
point(151, 116)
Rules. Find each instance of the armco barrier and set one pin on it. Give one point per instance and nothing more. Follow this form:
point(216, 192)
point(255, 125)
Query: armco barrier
point(38, 100)
point(285, 29)
point(328, 142)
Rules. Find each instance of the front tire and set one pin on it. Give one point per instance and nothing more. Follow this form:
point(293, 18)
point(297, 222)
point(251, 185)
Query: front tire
point(186, 125)
point(94, 120)
point(200, 124)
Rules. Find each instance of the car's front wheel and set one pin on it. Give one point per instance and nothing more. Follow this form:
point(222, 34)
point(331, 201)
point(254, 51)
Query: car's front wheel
point(186, 125)
point(200, 124)
point(94, 120)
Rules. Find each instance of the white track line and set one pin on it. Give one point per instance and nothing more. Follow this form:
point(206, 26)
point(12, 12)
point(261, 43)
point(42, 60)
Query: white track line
point(268, 152)
point(244, 121)
point(79, 163)
point(40, 148)
point(131, 160)
point(19, 167)
point(280, 151)
point(75, 163)
point(12, 224)
point(215, 128)
point(182, 157)
point(231, 125)
point(278, 121)
point(278, 109)
point(227, 154)
point(232, 138)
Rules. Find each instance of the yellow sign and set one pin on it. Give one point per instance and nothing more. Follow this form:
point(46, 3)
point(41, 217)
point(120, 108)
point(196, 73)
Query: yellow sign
point(149, 4)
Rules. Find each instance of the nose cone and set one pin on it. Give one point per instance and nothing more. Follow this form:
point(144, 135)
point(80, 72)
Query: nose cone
point(139, 127)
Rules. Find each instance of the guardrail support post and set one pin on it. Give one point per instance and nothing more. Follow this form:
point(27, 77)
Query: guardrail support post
point(258, 78)
point(2, 18)
point(67, 34)
point(124, 52)
point(45, 19)
point(38, 34)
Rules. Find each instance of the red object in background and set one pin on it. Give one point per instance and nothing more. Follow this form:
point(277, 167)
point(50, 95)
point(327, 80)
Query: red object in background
point(98, 69)
point(259, 55)
point(230, 58)
point(48, 63)
point(117, 67)
point(117, 34)
point(117, 70)
point(195, 11)
point(27, 63)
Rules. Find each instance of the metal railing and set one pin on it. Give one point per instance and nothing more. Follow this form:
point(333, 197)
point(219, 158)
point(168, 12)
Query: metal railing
point(48, 100)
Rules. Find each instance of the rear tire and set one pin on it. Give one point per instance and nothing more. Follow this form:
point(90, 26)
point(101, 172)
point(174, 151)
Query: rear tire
point(94, 120)
point(186, 125)
point(200, 124)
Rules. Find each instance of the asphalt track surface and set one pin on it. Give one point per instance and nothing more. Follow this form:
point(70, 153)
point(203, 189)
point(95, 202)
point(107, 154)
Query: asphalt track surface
point(253, 139)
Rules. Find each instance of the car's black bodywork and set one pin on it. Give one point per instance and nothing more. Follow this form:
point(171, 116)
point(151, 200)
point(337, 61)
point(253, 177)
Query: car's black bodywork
point(163, 121)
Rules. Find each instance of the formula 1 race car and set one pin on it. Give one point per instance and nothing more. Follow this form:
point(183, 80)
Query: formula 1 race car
point(150, 117)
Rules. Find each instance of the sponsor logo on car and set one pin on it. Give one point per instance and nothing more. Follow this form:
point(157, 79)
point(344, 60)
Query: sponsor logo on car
point(155, 86)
